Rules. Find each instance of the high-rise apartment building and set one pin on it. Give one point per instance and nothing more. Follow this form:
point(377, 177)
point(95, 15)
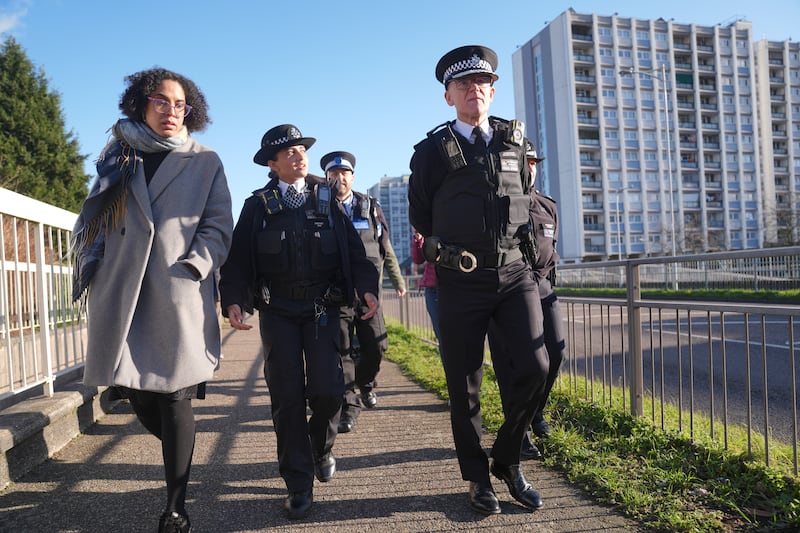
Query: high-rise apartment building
point(392, 193)
point(662, 137)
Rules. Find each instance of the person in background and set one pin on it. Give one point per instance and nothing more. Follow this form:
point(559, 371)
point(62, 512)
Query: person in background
point(298, 259)
point(367, 216)
point(428, 280)
point(544, 217)
point(148, 240)
point(469, 197)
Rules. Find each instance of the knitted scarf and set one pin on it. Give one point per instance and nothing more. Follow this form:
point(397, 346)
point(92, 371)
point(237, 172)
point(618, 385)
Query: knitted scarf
point(104, 208)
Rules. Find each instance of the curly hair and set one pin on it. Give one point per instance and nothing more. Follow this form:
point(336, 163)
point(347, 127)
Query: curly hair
point(133, 101)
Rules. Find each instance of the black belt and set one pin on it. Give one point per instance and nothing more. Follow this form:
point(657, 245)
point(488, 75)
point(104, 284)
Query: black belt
point(457, 258)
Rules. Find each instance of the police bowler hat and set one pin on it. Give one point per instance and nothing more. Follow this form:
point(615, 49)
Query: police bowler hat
point(334, 160)
point(465, 61)
point(277, 139)
point(530, 153)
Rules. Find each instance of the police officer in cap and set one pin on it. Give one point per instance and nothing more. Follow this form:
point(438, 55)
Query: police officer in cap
point(367, 216)
point(544, 214)
point(297, 259)
point(469, 196)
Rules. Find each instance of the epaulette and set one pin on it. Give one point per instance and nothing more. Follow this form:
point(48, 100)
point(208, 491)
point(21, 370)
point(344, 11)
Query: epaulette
point(514, 129)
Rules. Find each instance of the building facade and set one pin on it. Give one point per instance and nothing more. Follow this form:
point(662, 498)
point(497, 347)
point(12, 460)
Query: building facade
point(392, 193)
point(661, 137)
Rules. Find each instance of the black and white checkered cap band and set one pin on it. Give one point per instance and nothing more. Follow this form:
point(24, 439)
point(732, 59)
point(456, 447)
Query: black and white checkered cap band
point(473, 65)
point(293, 133)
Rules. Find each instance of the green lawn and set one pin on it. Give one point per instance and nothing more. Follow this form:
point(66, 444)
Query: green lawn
point(660, 478)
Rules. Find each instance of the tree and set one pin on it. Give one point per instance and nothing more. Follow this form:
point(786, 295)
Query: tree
point(38, 158)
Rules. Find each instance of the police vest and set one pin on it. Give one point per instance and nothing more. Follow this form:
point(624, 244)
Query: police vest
point(297, 247)
point(482, 205)
point(364, 215)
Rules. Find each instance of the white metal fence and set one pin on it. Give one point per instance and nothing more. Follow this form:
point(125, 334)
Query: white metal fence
point(41, 334)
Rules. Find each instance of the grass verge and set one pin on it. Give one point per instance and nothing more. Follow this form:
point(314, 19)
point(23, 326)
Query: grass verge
point(662, 479)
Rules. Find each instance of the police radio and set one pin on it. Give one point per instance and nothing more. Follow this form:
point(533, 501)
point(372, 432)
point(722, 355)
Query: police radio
point(323, 199)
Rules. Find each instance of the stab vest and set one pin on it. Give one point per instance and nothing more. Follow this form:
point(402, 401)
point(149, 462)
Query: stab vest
point(482, 202)
point(297, 247)
point(364, 215)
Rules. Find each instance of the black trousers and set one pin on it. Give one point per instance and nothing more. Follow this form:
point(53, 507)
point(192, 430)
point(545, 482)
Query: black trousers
point(553, 341)
point(467, 303)
point(302, 368)
point(372, 344)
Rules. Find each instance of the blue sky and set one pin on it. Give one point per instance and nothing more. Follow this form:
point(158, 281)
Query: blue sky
point(357, 75)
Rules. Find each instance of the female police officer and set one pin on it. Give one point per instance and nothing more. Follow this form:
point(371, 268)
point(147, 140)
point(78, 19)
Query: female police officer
point(297, 258)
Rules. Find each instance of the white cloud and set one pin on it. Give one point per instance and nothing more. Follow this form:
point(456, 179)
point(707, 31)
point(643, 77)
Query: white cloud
point(12, 14)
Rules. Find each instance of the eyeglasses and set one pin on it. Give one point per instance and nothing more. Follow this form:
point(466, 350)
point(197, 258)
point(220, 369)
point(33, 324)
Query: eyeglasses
point(468, 82)
point(164, 107)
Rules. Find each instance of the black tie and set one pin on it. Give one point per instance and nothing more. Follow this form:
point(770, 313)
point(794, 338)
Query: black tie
point(479, 142)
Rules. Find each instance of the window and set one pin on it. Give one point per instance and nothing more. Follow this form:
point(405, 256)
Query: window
point(740, 43)
point(609, 93)
point(612, 135)
point(604, 31)
point(605, 52)
point(631, 135)
point(651, 177)
point(642, 35)
point(610, 113)
point(747, 138)
point(624, 33)
point(643, 55)
point(624, 53)
point(648, 115)
point(607, 72)
point(744, 83)
point(742, 62)
point(612, 155)
point(628, 94)
point(744, 100)
point(650, 156)
point(661, 57)
point(627, 114)
point(631, 155)
point(649, 135)
point(661, 37)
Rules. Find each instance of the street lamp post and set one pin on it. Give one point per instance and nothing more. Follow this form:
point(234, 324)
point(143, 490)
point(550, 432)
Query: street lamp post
point(663, 80)
point(617, 211)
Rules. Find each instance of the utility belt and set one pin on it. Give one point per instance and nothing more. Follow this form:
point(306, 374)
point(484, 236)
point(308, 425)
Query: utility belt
point(322, 293)
point(457, 258)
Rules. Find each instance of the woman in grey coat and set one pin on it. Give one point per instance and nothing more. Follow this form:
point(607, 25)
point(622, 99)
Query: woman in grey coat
point(154, 229)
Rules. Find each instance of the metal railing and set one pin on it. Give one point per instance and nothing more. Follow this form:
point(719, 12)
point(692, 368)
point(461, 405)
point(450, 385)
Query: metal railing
point(41, 334)
point(708, 369)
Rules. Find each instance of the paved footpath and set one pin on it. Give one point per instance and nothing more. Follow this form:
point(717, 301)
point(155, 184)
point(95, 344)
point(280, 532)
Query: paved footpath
point(396, 472)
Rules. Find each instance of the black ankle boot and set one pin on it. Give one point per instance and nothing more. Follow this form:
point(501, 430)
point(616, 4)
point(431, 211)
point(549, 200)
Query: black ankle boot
point(172, 522)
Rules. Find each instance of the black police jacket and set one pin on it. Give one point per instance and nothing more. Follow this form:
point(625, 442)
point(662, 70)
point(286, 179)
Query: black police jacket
point(480, 205)
point(544, 216)
point(240, 278)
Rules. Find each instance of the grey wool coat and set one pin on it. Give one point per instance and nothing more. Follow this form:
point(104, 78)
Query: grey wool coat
point(151, 303)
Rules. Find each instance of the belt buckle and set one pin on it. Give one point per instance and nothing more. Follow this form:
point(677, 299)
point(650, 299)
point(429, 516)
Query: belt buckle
point(473, 262)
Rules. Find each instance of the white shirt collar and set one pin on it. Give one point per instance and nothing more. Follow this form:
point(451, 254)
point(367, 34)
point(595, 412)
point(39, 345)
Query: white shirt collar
point(300, 185)
point(466, 130)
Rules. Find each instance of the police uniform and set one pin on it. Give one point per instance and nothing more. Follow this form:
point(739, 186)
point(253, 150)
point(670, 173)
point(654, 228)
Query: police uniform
point(297, 267)
point(545, 220)
point(472, 205)
point(361, 369)
point(544, 217)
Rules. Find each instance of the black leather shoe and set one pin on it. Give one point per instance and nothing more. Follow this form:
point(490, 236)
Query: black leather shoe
point(347, 424)
point(325, 467)
point(369, 399)
point(542, 429)
point(172, 522)
point(528, 450)
point(518, 486)
point(482, 498)
point(298, 504)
